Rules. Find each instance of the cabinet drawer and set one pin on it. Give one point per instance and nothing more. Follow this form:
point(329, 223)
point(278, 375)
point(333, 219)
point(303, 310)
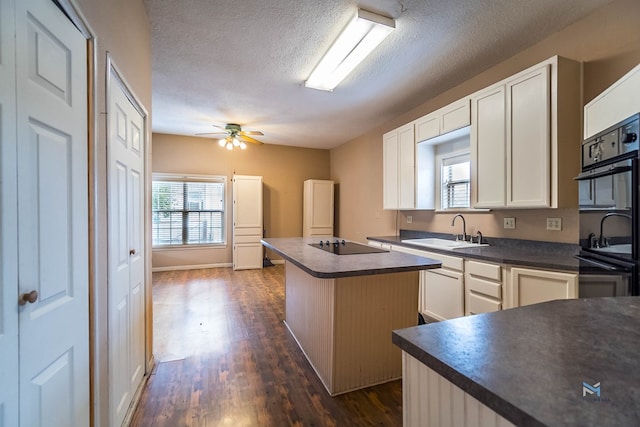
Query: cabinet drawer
point(481, 304)
point(488, 271)
point(484, 287)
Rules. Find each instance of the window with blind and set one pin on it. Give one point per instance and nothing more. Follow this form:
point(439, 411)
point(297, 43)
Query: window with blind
point(455, 182)
point(188, 210)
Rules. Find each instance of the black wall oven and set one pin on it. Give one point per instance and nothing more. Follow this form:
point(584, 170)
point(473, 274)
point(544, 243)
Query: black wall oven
point(609, 212)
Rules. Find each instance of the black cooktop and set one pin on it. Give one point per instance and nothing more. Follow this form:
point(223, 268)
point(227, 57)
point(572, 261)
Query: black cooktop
point(341, 247)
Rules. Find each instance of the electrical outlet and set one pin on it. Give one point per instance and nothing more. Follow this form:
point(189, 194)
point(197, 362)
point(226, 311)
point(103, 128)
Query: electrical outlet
point(554, 224)
point(510, 223)
point(409, 219)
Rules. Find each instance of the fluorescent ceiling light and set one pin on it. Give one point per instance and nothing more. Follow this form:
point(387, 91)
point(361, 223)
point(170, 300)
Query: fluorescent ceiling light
point(365, 31)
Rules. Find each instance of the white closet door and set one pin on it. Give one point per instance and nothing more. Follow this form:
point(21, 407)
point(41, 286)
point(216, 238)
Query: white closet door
point(8, 221)
point(53, 216)
point(126, 250)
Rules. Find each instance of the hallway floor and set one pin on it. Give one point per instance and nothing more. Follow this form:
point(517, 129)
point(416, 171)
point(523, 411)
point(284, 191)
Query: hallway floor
point(225, 358)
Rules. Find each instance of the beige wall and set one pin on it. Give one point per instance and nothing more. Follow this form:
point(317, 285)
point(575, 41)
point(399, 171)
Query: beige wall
point(284, 169)
point(120, 27)
point(606, 45)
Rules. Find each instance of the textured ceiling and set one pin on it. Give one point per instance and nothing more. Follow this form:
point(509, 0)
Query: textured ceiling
point(245, 61)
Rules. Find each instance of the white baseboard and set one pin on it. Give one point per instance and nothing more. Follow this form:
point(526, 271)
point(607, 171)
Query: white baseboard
point(191, 267)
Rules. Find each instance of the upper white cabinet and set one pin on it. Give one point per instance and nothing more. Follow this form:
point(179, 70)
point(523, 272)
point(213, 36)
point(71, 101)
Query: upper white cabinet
point(616, 103)
point(488, 147)
point(454, 116)
point(399, 168)
point(525, 132)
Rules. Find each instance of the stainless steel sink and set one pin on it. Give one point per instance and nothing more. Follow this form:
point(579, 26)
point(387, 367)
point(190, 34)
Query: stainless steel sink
point(445, 244)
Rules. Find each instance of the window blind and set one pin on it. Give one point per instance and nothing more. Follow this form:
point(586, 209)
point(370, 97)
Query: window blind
point(187, 211)
point(455, 189)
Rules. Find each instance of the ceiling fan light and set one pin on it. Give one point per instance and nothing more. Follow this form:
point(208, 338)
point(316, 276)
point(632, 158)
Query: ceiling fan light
point(229, 146)
point(222, 142)
point(243, 146)
point(356, 41)
point(236, 142)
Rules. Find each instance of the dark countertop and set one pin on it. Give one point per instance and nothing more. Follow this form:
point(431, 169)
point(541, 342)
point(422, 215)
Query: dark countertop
point(321, 264)
point(525, 253)
point(528, 364)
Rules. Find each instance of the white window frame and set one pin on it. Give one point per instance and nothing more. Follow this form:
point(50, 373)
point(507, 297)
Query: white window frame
point(196, 178)
point(440, 160)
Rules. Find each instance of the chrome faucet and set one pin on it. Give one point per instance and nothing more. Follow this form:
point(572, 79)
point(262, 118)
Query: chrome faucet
point(602, 241)
point(464, 227)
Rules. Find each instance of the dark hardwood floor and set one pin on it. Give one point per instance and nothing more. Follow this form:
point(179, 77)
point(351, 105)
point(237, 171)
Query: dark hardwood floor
point(225, 358)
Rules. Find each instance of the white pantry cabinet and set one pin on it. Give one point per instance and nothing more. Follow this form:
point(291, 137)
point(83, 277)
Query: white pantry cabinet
point(317, 219)
point(524, 134)
point(247, 222)
point(398, 172)
point(531, 286)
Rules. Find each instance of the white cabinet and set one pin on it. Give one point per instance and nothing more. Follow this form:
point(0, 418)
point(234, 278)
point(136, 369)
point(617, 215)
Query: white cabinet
point(454, 116)
point(247, 222)
point(529, 139)
point(441, 290)
point(524, 132)
point(483, 287)
point(399, 168)
point(488, 148)
point(530, 286)
point(317, 209)
point(616, 103)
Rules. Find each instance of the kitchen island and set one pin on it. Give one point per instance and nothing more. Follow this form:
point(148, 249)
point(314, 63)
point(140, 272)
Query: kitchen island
point(341, 309)
point(560, 363)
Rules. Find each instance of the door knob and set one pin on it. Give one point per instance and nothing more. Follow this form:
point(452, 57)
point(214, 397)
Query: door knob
point(30, 297)
point(132, 252)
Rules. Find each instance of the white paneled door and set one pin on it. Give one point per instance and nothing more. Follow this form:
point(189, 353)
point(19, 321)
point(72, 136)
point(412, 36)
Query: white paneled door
point(44, 316)
point(126, 249)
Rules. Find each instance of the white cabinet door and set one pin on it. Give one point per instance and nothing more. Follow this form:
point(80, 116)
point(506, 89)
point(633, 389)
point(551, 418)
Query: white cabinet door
point(488, 167)
point(455, 116)
point(529, 139)
point(443, 294)
point(427, 127)
point(390, 169)
point(531, 286)
point(406, 164)
point(247, 222)
point(399, 168)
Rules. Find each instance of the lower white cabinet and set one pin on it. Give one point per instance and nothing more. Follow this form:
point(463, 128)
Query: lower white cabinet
point(483, 287)
point(442, 294)
point(531, 286)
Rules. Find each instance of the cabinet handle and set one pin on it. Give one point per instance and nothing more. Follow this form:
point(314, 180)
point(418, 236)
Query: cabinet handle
point(30, 297)
point(132, 252)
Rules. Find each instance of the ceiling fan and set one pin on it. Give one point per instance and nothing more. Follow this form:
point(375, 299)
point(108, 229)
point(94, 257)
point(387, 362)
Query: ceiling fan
point(236, 137)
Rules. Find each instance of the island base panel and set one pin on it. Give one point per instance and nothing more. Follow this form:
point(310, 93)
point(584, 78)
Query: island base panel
point(343, 325)
point(428, 399)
